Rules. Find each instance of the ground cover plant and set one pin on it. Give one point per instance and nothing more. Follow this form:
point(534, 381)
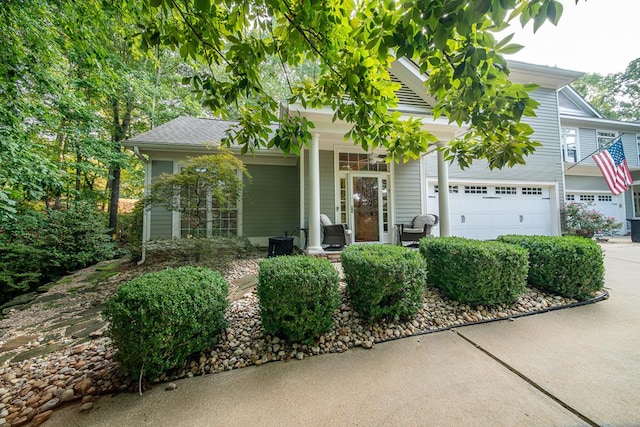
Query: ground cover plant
point(383, 280)
point(474, 271)
point(571, 266)
point(157, 320)
point(298, 296)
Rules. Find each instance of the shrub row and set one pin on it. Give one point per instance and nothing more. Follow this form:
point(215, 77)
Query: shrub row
point(568, 265)
point(298, 296)
point(474, 271)
point(384, 281)
point(159, 319)
point(42, 246)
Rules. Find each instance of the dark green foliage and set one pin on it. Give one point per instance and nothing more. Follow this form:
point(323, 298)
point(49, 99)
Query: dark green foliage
point(474, 271)
point(215, 252)
point(76, 238)
point(383, 280)
point(159, 319)
point(43, 246)
point(568, 265)
point(130, 230)
point(298, 296)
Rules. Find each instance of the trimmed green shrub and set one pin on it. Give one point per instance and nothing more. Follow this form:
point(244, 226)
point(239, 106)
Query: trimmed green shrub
point(568, 265)
point(475, 271)
point(384, 280)
point(298, 295)
point(159, 319)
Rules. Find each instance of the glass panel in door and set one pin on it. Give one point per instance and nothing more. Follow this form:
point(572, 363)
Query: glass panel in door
point(366, 212)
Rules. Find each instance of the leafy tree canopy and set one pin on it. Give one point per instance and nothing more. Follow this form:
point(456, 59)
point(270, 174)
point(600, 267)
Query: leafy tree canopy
point(616, 96)
point(352, 45)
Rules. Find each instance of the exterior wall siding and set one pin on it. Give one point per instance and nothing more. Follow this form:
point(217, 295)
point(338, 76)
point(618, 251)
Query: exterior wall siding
point(270, 201)
point(161, 218)
point(544, 165)
point(585, 183)
point(407, 191)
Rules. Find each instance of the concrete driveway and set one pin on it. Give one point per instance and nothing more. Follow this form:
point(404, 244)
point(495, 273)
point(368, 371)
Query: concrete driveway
point(578, 366)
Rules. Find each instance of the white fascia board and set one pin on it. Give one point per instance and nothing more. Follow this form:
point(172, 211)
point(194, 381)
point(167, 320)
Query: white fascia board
point(542, 75)
point(597, 123)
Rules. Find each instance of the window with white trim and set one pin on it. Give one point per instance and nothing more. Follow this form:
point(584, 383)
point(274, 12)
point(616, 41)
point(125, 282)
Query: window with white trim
point(605, 137)
point(570, 145)
point(638, 146)
point(206, 218)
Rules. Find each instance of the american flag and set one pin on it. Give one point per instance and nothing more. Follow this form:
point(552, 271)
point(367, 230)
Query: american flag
point(614, 167)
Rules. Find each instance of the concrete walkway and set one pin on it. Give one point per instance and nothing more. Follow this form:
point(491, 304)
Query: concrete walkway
point(578, 366)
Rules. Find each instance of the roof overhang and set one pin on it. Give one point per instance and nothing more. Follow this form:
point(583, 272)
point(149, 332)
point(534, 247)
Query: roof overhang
point(542, 75)
point(597, 123)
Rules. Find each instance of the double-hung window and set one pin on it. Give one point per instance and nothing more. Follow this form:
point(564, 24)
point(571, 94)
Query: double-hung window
point(570, 145)
point(604, 138)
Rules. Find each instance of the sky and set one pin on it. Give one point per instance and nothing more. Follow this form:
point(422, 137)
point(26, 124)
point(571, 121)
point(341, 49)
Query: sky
point(594, 36)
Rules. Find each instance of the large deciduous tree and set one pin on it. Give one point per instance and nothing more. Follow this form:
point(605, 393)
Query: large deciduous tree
point(353, 43)
point(617, 95)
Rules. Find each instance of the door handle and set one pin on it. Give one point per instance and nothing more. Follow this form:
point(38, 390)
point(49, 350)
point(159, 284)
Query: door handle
point(462, 218)
point(521, 218)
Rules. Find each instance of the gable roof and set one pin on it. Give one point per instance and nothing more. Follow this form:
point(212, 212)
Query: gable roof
point(183, 131)
point(571, 103)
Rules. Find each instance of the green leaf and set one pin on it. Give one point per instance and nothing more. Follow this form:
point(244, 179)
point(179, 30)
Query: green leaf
point(511, 49)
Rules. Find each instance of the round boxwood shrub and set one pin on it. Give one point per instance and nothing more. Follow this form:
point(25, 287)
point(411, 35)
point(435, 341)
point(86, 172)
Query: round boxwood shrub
point(384, 280)
point(157, 320)
point(298, 295)
point(474, 271)
point(571, 266)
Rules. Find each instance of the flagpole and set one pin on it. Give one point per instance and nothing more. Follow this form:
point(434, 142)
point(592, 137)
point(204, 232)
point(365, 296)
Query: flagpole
point(609, 144)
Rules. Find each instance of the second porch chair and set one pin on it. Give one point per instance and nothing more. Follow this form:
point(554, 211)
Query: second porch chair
point(334, 235)
point(420, 227)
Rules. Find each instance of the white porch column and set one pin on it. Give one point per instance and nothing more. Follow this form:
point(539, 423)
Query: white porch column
point(315, 246)
point(443, 195)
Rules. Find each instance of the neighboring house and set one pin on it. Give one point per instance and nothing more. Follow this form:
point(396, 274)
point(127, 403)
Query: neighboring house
point(583, 131)
point(358, 188)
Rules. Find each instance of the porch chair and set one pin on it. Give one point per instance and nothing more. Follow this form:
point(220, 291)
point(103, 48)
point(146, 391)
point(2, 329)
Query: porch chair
point(420, 227)
point(334, 235)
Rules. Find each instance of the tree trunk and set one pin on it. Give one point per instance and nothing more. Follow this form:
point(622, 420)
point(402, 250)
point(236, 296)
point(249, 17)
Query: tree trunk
point(120, 131)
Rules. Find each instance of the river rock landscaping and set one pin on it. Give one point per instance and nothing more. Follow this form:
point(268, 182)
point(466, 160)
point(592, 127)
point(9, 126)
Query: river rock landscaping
point(53, 350)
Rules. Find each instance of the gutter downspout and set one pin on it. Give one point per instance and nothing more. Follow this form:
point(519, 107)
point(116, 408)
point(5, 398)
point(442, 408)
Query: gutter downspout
point(146, 213)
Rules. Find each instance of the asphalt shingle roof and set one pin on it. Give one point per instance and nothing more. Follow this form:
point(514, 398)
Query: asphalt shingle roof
point(184, 131)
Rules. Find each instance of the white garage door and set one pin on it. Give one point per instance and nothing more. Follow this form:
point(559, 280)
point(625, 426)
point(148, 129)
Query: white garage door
point(607, 204)
point(488, 211)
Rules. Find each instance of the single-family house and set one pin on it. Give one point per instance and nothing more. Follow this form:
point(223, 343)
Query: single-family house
point(359, 188)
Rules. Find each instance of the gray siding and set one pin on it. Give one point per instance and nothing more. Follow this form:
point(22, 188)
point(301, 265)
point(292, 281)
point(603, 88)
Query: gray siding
point(327, 185)
point(271, 202)
point(543, 165)
point(407, 189)
point(585, 183)
point(587, 141)
point(568, 107)
point(161, 218)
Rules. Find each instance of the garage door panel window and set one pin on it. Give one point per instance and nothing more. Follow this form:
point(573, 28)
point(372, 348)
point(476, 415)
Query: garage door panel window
point(473, 189)
point(570, 197)
point(531, 191)
point(587, 198)
point(506, 190)
point(453, 189)
point(605, 198)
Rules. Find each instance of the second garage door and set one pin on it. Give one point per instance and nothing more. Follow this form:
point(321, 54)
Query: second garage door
point(488, 211)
